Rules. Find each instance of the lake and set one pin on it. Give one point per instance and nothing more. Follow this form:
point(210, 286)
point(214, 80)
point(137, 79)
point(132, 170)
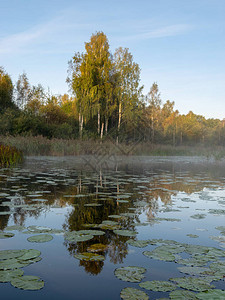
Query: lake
point(90, 218)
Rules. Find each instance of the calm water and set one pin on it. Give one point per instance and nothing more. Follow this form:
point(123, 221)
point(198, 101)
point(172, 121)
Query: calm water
point(155, 197)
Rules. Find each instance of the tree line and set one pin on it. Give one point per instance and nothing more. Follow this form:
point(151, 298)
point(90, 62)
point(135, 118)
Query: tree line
point(105, 100)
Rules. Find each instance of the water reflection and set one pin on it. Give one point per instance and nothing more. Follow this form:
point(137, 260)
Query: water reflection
point(145, 190)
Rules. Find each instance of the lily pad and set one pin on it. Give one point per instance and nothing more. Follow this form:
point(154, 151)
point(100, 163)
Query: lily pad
point(192, 283)
point(15, 227)
point(41, 238)
point(28, 283)
point(8, 275)
point(125, 232)
point(160, 255)
point(7, 254)
point(30, 254)
point(192, 235)
point(158, 286)
point(39, 229)
point(76, 236)
point(133, 294)
point(130, 274)
point(193, 270)
point(139, 243)
point(12, 263)
point(6, 235)
point(91, 232)
point(198, 216)
point(89, 256)
point(215, 294)
point(183, 295)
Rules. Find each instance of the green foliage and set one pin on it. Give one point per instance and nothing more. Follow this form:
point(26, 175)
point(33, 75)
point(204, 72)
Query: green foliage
point(106, 102)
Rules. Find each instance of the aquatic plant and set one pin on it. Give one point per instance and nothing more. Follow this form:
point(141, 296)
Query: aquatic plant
point(9, 156)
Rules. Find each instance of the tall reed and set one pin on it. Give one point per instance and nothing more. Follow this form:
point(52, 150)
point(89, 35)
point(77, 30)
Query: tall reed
point(9, 156)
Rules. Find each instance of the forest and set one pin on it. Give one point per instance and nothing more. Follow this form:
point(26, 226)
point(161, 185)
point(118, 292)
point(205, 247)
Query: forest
point(105, 99)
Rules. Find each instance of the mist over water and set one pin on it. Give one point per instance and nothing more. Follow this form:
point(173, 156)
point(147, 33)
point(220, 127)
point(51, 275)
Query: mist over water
point(134, 198)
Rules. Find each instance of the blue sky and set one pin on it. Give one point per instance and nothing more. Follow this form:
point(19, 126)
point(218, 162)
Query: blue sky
point(180, 44)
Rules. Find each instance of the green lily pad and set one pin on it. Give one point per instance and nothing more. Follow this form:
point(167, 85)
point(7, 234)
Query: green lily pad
point(7, 254)
point(160, 255)
point(130, 274)
point(192, 283)
point(89, 256)
point(76, 236)
point(193, 270)
point(6, 235)
point(215, 294)
point(15, 227)
point(8, 275)
point(217, 211)
point(192, 235)
point(28, 283)
point(12, 263)
point(125, 232)
point(182, 295)
point(91, 232)
point(198, 216)
point(109, 222)
point(39, 229)
point(158, 286)
point(30, 254)
point(115, 216)
point(133, 294)
point(41, 238)
point(139, 243)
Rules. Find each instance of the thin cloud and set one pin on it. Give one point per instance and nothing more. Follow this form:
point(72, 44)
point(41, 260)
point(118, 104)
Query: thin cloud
point(166, 31)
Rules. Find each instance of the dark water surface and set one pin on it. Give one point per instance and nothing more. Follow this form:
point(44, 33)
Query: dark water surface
point(156, 197)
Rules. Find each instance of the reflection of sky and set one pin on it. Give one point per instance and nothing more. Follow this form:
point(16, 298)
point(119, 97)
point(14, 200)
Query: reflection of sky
point(65, 276)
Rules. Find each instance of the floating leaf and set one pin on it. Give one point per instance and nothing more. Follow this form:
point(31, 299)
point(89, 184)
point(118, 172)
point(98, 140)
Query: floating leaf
point(41, 238)
point(76, 236)
point(6, 235)
point(89, 256)
point(131, 274)
point(158, 286)
point(192, 235)
point(198, 216)
point(133, 294)
point(183, 295)
point(192, 283)
point(193, 270)
point(215, 294)
point(91, 232)
point(8, 275)
point(139, 243)
point(7, 254)
point(39, 229)
point(125, 232)
point(30, 254)
point(28, 283)
point(15, 227)
point(13, 263)
point(162, 255)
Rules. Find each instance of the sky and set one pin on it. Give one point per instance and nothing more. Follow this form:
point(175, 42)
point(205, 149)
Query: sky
point(180, 44)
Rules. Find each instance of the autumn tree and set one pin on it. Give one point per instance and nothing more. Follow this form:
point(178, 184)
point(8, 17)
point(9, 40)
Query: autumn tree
point(6, 91)
point(128, 90)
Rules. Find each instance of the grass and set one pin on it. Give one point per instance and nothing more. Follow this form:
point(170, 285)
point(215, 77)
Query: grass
point(40, 145)
point(9, 156)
